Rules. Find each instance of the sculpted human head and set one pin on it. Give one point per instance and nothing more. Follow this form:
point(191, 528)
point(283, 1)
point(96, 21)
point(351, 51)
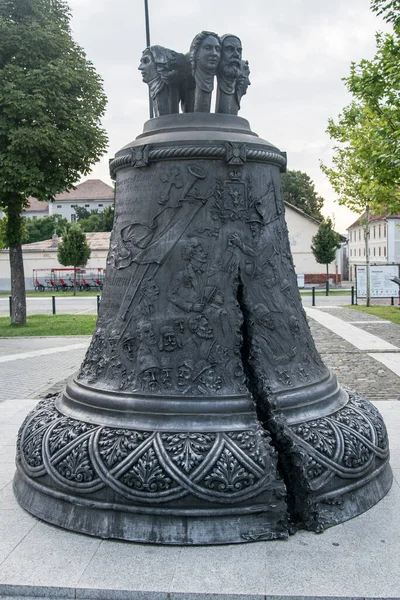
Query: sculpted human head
point(231, 57)
point(194, 252)
point(205, 52)
point(147, 66)
point(169, 341)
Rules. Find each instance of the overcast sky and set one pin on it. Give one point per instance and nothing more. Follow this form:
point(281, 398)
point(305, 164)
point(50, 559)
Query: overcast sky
point(298, 52)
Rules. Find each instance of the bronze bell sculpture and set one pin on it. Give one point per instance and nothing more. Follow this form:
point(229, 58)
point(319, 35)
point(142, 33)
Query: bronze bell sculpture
point(202, 412)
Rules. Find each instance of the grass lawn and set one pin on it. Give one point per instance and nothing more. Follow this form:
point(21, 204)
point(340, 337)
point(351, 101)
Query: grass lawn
point(44, 325)
point(390, 313)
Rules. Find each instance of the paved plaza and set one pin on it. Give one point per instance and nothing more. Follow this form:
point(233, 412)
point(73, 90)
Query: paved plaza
point(358, 559)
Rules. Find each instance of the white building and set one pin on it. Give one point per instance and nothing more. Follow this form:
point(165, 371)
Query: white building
point(384, 242)
point(92, 194)
point(43, 255)
point(36, 209)
point(302, 229)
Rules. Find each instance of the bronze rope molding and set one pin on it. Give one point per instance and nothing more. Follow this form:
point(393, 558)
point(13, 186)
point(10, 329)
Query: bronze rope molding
point(233, 154)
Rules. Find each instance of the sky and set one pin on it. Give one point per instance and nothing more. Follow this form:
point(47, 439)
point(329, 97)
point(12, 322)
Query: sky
point(298, 50)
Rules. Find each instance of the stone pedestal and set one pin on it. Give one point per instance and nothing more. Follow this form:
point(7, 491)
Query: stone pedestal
point(202, 359)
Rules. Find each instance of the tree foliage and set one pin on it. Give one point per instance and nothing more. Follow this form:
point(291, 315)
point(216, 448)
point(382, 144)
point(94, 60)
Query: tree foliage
point(366, 164)
point(94, 220)
point(37, 230)
point(298, 189)
point(73, 250)
point(51, 103)
point(325, 243)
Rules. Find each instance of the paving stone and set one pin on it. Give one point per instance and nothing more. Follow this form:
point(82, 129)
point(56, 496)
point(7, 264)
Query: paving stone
point(233, 569)
point(33, 376)
point(355, 369)
point(7, 499)
point(48, 556)
point(14, 526)
point(132, 567)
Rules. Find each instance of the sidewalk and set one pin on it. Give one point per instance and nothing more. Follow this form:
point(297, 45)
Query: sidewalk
point(357, 559)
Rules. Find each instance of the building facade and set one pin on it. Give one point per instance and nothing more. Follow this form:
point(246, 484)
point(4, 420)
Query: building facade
point(92, 194)
point(384, 242)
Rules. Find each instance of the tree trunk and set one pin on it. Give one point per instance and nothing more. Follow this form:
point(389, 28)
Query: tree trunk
point(327, 280)
point(14, 237)
point(18, 299)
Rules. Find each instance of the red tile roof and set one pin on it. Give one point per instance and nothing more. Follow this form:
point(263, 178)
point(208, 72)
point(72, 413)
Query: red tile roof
point(91, 189)
point(372, 218)
point(36, 205)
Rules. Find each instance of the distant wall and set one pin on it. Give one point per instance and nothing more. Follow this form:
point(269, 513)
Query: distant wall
point(42, 260)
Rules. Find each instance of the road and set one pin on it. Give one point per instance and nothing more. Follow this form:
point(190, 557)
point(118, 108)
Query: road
point(80, 305)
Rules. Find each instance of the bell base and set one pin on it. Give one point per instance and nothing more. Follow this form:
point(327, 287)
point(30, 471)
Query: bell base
point(130, 523)
point(353, 502)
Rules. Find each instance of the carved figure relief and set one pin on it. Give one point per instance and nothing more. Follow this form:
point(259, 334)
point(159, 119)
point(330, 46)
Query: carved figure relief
point(188, 79)
point(229, 71)
point(161, 69)
point(205, 56)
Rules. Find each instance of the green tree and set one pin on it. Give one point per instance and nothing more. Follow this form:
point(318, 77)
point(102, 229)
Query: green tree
point(73, 250)
point(37, 230)
point(82, 212)
point(98, 221)
point(325, 243)
point(51, 102)
point(298, 189)
point(366, 163)
point(3, 231)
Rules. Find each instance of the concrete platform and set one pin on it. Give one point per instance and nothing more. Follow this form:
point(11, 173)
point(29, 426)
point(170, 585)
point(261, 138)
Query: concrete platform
point(358, 559)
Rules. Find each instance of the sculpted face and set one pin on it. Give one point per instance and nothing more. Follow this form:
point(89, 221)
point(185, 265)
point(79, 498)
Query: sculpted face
point(184, 375)
point(147, 67)
point(209, 54)
point(146, 334)
point(199, 254)
point(231, 60)
point(255, 229)
point(211, 380)
point(150, 379)
point(166, 379)
point(204, 329)
point(169, 341)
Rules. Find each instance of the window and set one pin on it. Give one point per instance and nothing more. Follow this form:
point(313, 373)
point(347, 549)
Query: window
point(34, 217)
point(359, 252)
point(359, 234)
point(384, 250)
point(364, 251)
point(100, 206)
point(374, 251)
point(73, 217)
point(379, 250)
point(351, 236)
point(364, 235)
point(351, 251)
point(87, 205)
point(384, 230)
point(374, 232)
point(59, 205)
point(379, 231)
